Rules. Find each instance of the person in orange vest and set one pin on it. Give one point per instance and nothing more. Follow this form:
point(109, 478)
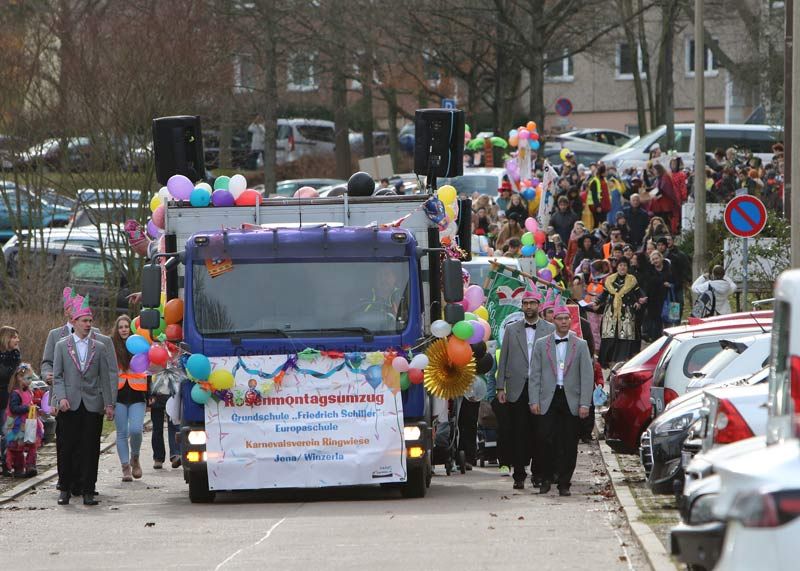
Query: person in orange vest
point(130, 403)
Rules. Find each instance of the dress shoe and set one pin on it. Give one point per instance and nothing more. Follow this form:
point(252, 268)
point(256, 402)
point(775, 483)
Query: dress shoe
point(519, 484)
point(31, 472)
point(544, 488)
point(88, 500)
point(564, 492)
point(63, 498)
point(158, 464)
point(175, 461)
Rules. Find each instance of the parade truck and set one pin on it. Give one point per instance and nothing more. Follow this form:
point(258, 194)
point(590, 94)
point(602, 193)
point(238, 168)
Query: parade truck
point(306, 302)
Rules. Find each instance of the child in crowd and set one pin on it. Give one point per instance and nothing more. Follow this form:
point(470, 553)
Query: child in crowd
point(21, 454)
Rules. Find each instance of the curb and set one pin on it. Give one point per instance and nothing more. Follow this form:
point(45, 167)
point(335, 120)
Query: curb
point(653, 549)
point(105, 445)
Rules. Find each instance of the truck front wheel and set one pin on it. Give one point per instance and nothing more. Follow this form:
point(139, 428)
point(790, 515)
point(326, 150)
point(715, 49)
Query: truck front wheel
point(198, 488)
point(416, 484)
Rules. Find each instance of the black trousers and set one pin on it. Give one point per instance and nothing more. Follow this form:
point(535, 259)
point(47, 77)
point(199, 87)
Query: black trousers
point(586, 425)
point(558, 440)
point(523, 437)
point(503, 416)
point(79, 455)
point(468, 429)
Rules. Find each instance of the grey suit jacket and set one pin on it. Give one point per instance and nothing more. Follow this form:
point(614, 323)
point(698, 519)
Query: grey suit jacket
point(578, 374)
point(53, 337)
point(111, 358)
point(91, 386)
point(513, 370)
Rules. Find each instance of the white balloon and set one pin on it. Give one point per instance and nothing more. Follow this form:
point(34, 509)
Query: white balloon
point(477, 391)
point(237, 185)
point(419, 361)
point(440, 328)
point(164, 194)
point(204, 185)
point(450, 231)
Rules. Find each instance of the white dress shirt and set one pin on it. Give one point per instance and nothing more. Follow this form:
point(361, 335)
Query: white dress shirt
point(530, 337)
point(561, 359)
point(82, 347)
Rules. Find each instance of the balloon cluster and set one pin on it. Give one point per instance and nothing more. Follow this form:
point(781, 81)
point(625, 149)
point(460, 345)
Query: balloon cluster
point(524, 136)
point(198, 368)
point(533, 247)
point(411, 372)
point(152, 350)
point(448, 196)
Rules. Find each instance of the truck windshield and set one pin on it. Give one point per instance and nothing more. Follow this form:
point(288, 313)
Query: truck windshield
point(309, 297)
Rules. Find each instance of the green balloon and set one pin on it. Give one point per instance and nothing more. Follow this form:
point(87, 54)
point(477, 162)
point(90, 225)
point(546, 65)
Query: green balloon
point(405, 382)
point(541, 259)
point(162, 326)
point(463, 330)
point(470, 316)
point(221, 182)
point(527, 239)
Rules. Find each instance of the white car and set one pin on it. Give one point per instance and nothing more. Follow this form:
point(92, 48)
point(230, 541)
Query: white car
point(604, 136)
point(304, 137)
point(743, 356)
point(479, 268)
point(481, 180)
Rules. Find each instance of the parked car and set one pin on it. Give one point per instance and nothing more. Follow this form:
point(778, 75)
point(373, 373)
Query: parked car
point(738, 357)
point(241, 156)
point(476, 179)
point(22, 210)
point(290, 186)
point(304, 137)
point(380, 143)
point(102, 238)
point(406, 138)
point(479, 268)
point(552, 152)
point(604, 136)
point(50, 154)
point(757, 138)
point(106, 206)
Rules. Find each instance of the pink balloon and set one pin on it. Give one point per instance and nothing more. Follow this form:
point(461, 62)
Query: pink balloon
point(158, 217)
point(523, 134)
point(531, 225)
point(474, 296)
point(306, 192)
point(400, 364)
point(487, 329)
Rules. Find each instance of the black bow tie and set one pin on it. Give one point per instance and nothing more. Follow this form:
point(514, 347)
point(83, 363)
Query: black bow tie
point(564, 340)
point(531, 325)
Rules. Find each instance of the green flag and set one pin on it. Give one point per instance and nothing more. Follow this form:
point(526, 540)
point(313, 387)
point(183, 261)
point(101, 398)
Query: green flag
point(504, 299)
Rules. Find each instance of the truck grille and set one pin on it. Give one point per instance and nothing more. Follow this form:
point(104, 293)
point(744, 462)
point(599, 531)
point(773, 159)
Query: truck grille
point(646, 452)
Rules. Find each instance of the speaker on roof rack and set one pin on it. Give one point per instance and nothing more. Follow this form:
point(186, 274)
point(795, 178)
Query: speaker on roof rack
point(178, 148)
point(439, 142)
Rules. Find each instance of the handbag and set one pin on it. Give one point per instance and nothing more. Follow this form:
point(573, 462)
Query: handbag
point(671, 310)
point(31, 426)
point(599, 396)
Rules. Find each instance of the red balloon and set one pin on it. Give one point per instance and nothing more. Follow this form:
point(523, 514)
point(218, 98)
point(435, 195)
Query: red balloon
point(459, 351)
point(174, 332)
point(249, 198)
point(539, 237)
point(415, 376)
point(158, 355)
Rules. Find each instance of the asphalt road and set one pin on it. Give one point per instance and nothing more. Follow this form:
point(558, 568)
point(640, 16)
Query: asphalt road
point(472, 521)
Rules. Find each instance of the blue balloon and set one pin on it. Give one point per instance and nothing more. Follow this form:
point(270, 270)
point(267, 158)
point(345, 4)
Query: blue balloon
point(200, 395)
point(136, 345)
point(528, 250)
point(534, 145)
point(528, 194)
point(374, 376)
point(198, 366)
point(200, 197)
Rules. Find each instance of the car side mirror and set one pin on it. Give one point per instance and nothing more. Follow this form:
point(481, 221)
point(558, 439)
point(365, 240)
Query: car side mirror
point(151, 286)
point(149, 319)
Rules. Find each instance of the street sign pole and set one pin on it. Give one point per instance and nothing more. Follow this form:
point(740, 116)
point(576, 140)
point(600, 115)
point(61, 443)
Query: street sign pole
point(746, 262)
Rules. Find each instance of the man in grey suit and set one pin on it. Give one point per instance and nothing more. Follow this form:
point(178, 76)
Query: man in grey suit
point(82, 388)
point(513, 372)
point(560, 390)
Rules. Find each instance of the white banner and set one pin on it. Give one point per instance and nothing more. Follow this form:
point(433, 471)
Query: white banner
point(303, 431)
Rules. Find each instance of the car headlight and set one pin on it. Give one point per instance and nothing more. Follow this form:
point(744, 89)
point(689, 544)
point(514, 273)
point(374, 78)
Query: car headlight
point(701, 511)
point(197, 437)
point(411, 433)
point(696, 429)
point(677, 424)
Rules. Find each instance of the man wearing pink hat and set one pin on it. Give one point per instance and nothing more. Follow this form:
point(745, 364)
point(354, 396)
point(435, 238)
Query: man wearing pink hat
point(83, 391)
point(560, 391)
point(513, 374)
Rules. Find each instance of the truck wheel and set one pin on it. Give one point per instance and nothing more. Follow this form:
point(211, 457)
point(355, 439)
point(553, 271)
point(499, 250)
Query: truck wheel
point(198, 488)
point(415, 486)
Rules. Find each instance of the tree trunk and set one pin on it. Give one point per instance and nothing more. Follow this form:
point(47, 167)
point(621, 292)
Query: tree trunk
point(646, 65)
point(535, 60)
point(369, 114)
point(630, 36)
point(225, 92)
point(341, 124)
point(666, 99)
point(392, 113)
point(270, 104)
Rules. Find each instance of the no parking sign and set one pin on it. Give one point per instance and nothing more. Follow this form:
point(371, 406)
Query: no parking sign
point(745, 216)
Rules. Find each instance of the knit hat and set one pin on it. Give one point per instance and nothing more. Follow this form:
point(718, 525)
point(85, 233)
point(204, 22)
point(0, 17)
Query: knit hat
point(561, 310)
point(80, 307)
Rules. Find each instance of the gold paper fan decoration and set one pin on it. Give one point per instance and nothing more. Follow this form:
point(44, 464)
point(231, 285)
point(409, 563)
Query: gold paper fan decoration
point(442, 378)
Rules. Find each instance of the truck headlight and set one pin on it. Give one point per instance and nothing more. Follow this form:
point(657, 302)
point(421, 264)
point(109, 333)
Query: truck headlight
point(678, 424)
point(701, 511)
point(411, 433)
point(197, 437)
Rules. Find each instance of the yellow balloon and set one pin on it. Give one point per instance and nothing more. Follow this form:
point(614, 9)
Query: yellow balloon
point(447, 194)
point(155, 202)
point(221, 379)
point(375, 358)
point(451, 213)
point(482, 313)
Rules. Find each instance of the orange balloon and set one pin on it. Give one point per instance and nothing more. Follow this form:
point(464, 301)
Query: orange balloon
point(145, 333)
point(459, 351)
point(531, 125)
point(173, 311)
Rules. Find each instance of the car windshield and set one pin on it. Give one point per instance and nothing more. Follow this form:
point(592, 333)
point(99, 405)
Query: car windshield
point(718, 362)
point(308, 297)
point(630, 142)
point(468, 184)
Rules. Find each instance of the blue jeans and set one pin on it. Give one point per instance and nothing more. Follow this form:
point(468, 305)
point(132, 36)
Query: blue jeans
point(129, 419)
point(158, 415)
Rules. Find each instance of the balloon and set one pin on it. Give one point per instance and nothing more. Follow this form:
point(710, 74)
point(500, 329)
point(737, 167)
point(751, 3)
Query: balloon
point(200, 197)
point(135, 325)
point(531, 126)
point(458, 351)
point(477, 391)
point(222, 198)
point(463, 330)
point(528, 194)
point(306, 192)
point(158, 355)
point(528, 250)
point(534, 145)
point(450, 231)
point(527, 238)
point(205, 186)
point(158, 217)
point(152, 229)
point(198, 366)
point(162, 326)
point(400, 364)
point(513, 133)
point(174, 332)
point(163, 192)
point(139, 363)
point(221, 182)
point(478, 349)
point(440, 328)
point(173, 311)
point(450, 211)
point(563, 154)
point(155, 202)
point(180, 187)
point(221, 379)
point(200, 395)
point(249, 198)
point(45, 404)
point(374, 376)
point(513, 141)
point(531, 225)
point(535, 182)
point(475, 296)
point(481, 313)
point(484, 364)
point(419, 361)
point(237, 185)
point(534, 136)
point(469, 316)
point(136, 344)
point(546, 275)
point(477, 333)
point(405, 382)
point(541, 259)
point(540, 237)
point(416, 376)
point(146, 334)
point(524, 134)
point(447, 194)
point(487, 329)
point(375, 358)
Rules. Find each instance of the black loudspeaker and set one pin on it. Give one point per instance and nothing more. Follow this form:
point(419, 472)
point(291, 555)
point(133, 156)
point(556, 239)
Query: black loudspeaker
point(453, 313)
point(439, 142)
point(464, 234)
point(178, 148)
point(452, 280)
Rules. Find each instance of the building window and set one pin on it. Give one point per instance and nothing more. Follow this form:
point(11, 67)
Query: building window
point(560, 69)
point(244, 73)
point(709, 63)
point(625, 61)
point(300, 73)
point(431, 71)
